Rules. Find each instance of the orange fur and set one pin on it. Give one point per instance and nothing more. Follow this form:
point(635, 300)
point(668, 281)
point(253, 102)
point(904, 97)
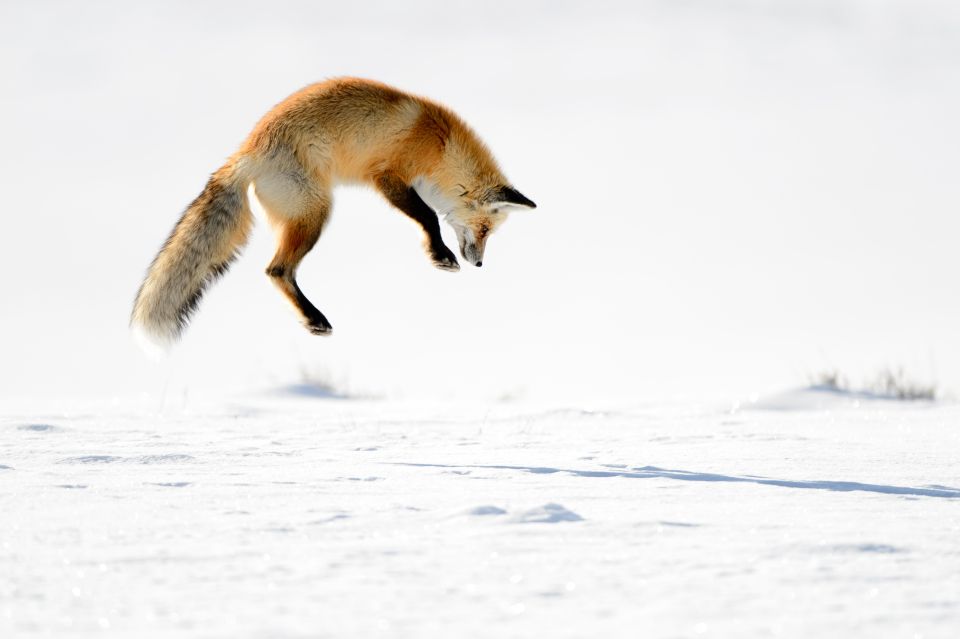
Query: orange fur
point(345, 130)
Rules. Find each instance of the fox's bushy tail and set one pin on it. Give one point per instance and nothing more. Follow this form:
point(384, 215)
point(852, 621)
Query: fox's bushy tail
point(201, 247)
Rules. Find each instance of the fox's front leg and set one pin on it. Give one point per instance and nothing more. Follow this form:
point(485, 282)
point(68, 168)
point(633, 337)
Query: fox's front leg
point(404, 197)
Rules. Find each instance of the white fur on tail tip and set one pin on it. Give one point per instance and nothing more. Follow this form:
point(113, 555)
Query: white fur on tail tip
point(156, 346)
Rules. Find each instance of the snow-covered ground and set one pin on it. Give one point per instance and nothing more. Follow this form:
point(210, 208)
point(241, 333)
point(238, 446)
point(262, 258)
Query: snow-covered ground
point(289, 515)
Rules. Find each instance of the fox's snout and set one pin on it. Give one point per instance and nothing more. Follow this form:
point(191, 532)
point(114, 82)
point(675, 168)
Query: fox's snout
point(471, 252)
point(472, 237)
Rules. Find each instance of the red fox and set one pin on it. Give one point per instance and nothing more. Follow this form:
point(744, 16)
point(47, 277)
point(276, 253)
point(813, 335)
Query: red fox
point(423, 158)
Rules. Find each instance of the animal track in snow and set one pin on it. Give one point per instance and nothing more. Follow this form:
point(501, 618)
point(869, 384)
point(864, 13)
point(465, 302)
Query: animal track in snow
point(113, 459)
point(39, 428)
point(483, 511)
point(546, 514)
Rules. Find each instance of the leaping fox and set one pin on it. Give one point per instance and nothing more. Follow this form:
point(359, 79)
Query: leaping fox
point(423, 158)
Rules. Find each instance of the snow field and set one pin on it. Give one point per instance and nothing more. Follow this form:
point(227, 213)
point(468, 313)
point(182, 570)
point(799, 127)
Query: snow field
point(288, 516)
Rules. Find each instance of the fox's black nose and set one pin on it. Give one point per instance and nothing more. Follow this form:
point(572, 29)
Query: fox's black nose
point(479, 263)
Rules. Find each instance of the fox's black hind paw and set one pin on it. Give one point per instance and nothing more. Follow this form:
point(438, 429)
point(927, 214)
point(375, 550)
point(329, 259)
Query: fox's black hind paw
point(317, 324)
point(320, 329)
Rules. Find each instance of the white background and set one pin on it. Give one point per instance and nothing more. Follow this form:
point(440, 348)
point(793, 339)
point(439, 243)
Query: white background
point(732, 195)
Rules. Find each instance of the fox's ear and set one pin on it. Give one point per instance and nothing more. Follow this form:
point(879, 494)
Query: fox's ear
point(509, 195)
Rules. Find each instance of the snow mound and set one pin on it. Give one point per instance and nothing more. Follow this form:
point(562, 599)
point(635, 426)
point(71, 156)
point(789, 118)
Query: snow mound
point(39, 428)
point(309, 391)
point(483, 511)
point(884, 549)
point(826, 398)
point(546, 514)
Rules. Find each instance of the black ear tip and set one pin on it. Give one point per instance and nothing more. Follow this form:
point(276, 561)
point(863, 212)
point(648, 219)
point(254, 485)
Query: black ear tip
point(512, 196)
point(525, 201)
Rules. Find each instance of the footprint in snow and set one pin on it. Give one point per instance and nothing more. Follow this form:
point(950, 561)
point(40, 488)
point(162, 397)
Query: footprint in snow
point(884, 549)
point(91, 459)
point(162, 459)
point(112, 459)
point(39, 428)
point(483, 511)
point(327, 520)
point(546, 514)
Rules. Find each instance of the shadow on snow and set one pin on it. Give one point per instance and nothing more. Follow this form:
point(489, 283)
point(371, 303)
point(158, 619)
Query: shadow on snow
point(647, 472)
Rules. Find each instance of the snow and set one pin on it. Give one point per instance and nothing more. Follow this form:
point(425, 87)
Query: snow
point(278, 515)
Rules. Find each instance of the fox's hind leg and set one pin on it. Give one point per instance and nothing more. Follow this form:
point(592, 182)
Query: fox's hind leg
point(295, 241)
point(298, 218)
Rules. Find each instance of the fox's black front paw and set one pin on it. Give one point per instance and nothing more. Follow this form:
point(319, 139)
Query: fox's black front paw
point(444, 259)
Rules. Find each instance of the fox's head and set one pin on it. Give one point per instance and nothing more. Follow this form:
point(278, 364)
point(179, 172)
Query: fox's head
point(475, 219)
